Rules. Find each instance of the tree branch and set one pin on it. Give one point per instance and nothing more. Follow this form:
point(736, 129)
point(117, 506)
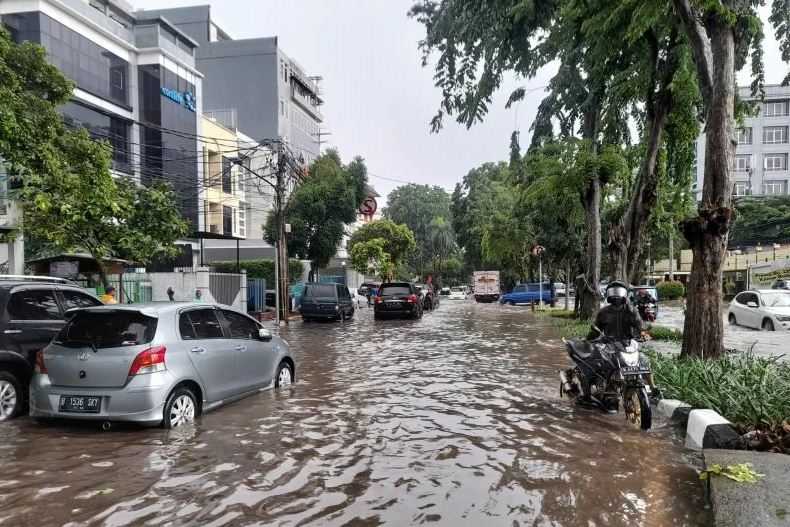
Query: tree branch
point(700, 47)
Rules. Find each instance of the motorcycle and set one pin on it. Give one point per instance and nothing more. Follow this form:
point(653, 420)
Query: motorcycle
point(614, 372)
point(647, 312)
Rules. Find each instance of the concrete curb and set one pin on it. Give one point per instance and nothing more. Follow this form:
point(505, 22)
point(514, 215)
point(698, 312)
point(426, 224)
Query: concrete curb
point(705, 428)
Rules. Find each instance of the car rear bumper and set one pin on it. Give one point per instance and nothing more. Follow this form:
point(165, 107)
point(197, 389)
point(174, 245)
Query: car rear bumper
point(412, 310)
point(142, 400)
point(325, 315)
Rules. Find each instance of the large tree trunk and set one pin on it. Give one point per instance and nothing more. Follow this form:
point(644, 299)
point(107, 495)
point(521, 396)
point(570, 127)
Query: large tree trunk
point(707, 233)
point(590, 296)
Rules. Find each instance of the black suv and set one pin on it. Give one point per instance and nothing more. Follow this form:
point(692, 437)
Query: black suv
point(398, 299)
point(326, 301)
point(31, 314)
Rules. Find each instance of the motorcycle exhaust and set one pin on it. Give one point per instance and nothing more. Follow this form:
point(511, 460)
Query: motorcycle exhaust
point(566, 384)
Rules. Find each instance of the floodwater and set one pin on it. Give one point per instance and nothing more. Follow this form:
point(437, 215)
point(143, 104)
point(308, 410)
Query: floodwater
point(452, 420)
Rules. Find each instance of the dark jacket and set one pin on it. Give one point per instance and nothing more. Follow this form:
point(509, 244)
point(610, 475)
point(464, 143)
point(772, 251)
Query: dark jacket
point(619, 322)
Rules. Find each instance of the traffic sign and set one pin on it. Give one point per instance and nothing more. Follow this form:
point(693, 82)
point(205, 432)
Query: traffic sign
point(369, 206)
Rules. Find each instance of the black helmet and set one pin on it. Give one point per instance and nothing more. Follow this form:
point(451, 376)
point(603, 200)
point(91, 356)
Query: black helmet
point(616, 293)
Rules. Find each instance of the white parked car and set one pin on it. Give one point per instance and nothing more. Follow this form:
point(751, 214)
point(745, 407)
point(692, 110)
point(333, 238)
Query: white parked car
point(457, 293)
point(765, 309)
point(559, 289)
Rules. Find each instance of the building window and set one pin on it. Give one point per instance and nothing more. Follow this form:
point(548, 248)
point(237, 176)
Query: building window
point(740, 189)
point(774, 162)
point(102, 127)
point(773, 188)
point(774, 135)
point(242, 220)
point(227, 176)
point(227, 221)
point(776, 108)
point(744, 136)
point(743, 162)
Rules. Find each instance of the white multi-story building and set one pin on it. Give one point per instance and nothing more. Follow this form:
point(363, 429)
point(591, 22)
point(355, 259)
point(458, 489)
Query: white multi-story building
point(761, 157)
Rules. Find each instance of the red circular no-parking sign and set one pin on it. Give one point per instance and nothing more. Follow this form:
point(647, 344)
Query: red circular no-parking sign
point(369, 206)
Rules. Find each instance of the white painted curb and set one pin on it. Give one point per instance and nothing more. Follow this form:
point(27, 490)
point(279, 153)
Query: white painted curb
point(666, 407)
point(699, 421)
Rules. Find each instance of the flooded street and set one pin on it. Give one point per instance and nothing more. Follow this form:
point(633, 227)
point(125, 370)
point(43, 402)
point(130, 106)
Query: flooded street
point(452, 420)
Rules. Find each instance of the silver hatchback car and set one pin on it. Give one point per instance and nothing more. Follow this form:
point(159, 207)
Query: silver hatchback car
point(155, 364)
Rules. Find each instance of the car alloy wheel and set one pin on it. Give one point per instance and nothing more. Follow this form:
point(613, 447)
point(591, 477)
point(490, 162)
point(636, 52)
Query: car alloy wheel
point(284, 376)
point(180, 409)
point(9, 400)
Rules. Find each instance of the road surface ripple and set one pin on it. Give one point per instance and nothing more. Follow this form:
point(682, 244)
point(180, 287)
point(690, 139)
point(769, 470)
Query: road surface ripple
point(452, 420)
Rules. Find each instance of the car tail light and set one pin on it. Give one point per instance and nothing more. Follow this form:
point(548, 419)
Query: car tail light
point(412, 299)
point(40, 366)
point(149, 361)
point(377, 299)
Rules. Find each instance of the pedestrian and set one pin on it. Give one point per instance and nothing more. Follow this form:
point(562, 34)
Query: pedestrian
point(171, 294)
point(109, 296)
point(198, 296)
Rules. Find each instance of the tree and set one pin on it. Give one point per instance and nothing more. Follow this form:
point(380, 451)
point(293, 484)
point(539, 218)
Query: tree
point(320, 208)
point(442, 242)
point(379, 247)
point(416, 206)
point(762, 220)
point(721, 34)
point(69, 198)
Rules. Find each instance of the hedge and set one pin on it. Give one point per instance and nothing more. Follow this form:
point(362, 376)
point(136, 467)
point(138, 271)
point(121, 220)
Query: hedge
point(261, 269)
point(670, 290)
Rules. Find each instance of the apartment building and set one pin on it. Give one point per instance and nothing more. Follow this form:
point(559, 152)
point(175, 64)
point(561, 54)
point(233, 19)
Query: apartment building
point(137, 87)
point(761, 157)
point(222, 183)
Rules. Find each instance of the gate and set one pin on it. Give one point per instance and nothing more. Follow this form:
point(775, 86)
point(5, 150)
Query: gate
point(224, 287)
point(256, 295)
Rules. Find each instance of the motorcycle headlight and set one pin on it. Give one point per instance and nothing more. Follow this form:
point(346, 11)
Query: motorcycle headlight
point(630, 359)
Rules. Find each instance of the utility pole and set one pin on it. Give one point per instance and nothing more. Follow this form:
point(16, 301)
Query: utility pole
point(671, 258)
point(282, 247)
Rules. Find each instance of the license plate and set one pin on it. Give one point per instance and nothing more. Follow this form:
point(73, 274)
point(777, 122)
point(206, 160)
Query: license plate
point(635, 370)
point(80, 404)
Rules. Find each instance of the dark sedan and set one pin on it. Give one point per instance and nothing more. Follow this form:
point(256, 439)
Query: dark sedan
point(397, 299)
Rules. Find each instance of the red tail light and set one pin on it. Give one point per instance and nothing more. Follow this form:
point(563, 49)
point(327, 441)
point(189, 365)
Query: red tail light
point(377, 299)
point(40, 366)
point(148, 361)
point(412, 299)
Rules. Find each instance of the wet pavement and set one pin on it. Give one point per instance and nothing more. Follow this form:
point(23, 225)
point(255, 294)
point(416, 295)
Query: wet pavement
point(452, 420)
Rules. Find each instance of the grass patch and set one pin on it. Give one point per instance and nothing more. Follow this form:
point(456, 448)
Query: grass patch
point(568, 326)
point(665, 333)
point(752, 392)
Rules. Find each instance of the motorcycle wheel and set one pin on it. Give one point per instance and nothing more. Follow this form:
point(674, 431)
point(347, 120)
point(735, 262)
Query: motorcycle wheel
point(637, 408)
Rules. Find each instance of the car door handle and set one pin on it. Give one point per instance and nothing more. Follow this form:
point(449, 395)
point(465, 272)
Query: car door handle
point(12, 332)
point(241, 348)
point(198, 350)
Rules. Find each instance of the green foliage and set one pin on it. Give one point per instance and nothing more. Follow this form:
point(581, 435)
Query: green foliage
point(416, 206)
point(261, 269)
point(399, 240)
point(740, 473)
point(751, 391)
point(761, 220)
point(320, 208)
point(668, 290)
point(371, 258)
point(664, 333)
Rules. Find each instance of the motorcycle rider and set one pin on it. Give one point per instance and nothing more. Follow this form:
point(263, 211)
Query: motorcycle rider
point(619, 321)
point(643, 299)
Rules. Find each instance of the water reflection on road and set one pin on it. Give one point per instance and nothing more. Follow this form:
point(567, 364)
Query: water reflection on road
point(454, 419)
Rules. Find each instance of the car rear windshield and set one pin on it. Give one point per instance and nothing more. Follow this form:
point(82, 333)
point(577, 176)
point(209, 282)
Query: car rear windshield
point(392, 290)
point(457, 290)
point(108, 329)
point(321, 291)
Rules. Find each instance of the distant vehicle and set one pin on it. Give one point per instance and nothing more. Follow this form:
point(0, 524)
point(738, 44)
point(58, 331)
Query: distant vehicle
point(646, 306)
point(430, 300)
point(457, 293)
point(528, 293)
point(486, 284)
point(782, 283)
point(327, 302)
point(559, 289)
point(32, 311)
point(155, 364)
point(398, 299)
point(445, 291)
point(767, 309)
point(366, 286)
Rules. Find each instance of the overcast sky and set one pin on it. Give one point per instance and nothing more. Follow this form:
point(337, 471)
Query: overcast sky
point(378, 98)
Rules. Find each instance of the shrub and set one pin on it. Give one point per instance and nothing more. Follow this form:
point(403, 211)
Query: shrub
point(261, 269)
point(664, 333)
point(670, 290)
point(753, 392)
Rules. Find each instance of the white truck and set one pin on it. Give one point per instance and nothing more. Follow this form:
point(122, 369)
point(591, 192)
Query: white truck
point(486, 284)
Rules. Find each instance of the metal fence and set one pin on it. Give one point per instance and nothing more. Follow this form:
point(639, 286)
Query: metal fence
point(224, 287)
point(256, 295)
point(130, 288)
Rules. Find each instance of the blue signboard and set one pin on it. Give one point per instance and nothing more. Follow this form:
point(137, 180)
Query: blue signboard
point(185, 99)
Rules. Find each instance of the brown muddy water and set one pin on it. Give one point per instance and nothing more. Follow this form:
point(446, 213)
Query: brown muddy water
point(452, 420)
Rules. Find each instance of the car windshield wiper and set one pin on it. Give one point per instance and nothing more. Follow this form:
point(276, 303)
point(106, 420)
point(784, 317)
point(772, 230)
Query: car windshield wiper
point(71, 343)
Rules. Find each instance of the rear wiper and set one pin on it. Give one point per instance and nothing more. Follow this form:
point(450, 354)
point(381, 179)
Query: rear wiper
point(70, 344)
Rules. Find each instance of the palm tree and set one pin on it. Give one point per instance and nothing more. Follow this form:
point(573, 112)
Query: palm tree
point(442, 241)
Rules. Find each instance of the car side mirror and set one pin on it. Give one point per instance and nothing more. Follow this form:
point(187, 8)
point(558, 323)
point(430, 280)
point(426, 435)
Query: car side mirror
point(752, 304)
point(264, 334)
